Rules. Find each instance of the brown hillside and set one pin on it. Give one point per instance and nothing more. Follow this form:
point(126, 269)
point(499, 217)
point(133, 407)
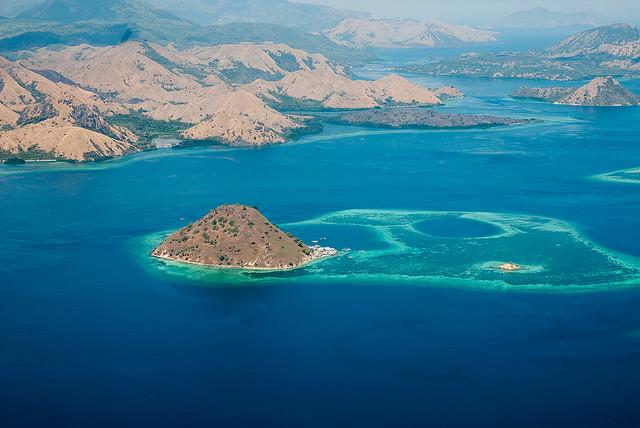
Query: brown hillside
point(235, 236)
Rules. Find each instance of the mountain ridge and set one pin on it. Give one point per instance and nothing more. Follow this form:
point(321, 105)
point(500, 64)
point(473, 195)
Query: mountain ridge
point(543, 18)
point(310, 17)
point(610, 39)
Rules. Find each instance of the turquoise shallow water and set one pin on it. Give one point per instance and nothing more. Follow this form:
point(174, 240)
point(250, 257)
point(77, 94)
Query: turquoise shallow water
point(412, 323)
point(433, 249)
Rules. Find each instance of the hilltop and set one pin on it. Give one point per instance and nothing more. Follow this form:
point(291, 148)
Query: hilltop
point(601, 91)
point(244, 119)
point(237, 236)
point(385, 33)
point(188, 85)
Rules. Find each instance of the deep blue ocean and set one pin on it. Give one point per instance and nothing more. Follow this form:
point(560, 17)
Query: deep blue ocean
point(93, 333)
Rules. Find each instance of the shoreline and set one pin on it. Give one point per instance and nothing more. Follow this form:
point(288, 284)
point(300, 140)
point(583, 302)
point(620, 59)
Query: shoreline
point(244, 268)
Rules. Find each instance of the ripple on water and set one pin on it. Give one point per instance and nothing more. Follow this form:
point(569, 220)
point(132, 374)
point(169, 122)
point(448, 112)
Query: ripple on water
point(626, 176)
point(434, 249)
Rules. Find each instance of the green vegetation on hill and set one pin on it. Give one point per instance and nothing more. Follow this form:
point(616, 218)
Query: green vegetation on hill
point(312, 125)
point(27, 35)
point(207, 142)
point(240, 73)
point(285, 61)
point(192, 70)
point(147, 128)
point(286, 103)
point(30, 154)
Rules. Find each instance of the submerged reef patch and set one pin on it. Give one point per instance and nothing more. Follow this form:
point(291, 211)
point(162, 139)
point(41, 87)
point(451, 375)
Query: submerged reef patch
point(391, 247)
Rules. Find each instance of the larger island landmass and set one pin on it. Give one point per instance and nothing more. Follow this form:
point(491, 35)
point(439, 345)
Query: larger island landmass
point(61, 104)
point(607, 50)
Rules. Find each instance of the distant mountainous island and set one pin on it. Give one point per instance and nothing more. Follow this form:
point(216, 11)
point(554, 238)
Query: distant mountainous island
point(384, 33)
point(109, 22)
point(617, 40)
point(542, 18)
point(599, 92)
point(608, 50)
point(308, 17)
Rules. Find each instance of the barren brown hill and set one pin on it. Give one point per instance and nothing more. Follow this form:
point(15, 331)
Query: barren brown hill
point(47, 119)
point(243, 62)
point(235, 236)
point(8, 117)
point(217, 110)
point(602, 91)
point(333, 90)
point(206, 87)
point(125, 72)
point(244, 119)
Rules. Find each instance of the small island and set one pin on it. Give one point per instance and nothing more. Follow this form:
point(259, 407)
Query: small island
point(238, 236)
point(599, 92)
point(421, 118)
point(510, 267)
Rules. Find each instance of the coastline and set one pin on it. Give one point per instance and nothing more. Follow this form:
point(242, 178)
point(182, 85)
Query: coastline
point(244, 268)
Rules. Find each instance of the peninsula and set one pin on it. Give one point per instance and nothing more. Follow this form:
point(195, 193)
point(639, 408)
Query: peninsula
point(238, 236)
point(421, 118)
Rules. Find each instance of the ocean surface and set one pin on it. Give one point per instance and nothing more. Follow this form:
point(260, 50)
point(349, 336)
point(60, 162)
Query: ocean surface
point(411, 325)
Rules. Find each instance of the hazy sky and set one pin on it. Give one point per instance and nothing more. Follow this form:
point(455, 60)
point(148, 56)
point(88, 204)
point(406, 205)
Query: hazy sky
point(478, 11)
